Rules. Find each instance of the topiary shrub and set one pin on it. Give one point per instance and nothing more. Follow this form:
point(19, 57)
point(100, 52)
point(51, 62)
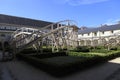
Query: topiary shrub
point(28, 51)
point(47, 50)
point(49, 55)
point(82, 49)
point(114, 48)
point(100, 50)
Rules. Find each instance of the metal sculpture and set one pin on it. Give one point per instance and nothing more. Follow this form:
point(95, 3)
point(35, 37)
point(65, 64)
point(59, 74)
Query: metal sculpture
point(57, 35)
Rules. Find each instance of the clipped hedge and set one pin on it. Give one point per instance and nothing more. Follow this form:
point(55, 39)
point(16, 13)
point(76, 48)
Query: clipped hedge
point(49, 55)
point(114, 48)
point(111, 55)
point(47, 49)
point(61, 64)
point(100, 50)
point(28, 51)
point(82, 49)
point(104, 56)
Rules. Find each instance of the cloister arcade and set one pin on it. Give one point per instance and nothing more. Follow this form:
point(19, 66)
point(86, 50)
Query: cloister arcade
point(109, 41)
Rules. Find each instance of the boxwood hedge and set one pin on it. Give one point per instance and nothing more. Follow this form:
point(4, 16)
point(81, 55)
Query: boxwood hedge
point(61, 64)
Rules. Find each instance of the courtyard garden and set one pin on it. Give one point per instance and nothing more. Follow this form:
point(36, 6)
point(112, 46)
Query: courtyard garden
point(63, 63)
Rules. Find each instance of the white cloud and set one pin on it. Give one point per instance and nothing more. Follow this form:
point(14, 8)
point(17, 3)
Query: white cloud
point(78, 2)
point(112, 21)
point(84, 2)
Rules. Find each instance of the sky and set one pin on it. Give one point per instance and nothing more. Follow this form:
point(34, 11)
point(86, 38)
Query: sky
point(90, 13)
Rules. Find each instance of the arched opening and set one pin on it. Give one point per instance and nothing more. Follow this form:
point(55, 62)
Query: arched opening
point(95, 42)
point(6, 46)
point(118, 40)
point(88, 42)
point(82, 42)
point(103, 42)
point(112, 42)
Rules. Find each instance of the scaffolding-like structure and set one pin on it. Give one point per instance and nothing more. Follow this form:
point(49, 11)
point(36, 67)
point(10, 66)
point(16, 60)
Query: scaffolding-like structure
point(60, 35)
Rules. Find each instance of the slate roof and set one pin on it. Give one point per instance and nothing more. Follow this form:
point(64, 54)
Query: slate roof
point(22, 21)
point(103, 28)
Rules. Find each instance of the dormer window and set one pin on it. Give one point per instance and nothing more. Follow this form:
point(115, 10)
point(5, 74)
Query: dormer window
point(103, 32)
point(112, 31)
point(88, 34)
point(95, 33)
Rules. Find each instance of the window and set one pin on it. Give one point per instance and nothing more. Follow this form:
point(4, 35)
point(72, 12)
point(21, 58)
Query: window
point(88, 34)
point(2, 35)
point(25, 30)
point(103, 32)
point(12, 28)
point(112, 31)
point(29, 30)
point(95, 33)
point(7, 27)
point(3, 27)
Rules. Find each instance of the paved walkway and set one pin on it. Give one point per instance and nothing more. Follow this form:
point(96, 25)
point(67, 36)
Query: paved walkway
point(19, 70)
point(4, 73)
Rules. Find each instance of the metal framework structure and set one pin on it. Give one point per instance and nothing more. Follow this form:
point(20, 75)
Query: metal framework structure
point(58, 35)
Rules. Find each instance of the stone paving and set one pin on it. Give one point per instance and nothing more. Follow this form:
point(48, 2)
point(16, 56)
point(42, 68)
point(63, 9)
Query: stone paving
point(0, 66)
point(4, 72)
point(114, 76)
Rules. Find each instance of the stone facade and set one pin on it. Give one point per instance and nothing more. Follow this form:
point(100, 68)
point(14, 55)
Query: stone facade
point(104, 35)
point(9, 24)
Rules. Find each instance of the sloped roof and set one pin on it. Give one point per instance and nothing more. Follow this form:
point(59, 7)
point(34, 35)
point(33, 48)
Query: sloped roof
point(103, 28)
point(22, 21)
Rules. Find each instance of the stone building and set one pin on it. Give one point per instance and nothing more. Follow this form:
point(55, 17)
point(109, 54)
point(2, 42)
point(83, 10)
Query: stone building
point(9, 24)
point(103, 35)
